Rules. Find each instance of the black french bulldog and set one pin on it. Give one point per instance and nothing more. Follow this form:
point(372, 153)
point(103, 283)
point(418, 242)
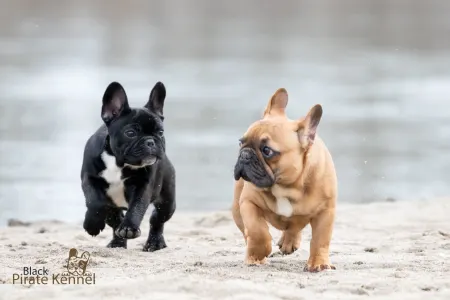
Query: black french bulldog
point(125, 167)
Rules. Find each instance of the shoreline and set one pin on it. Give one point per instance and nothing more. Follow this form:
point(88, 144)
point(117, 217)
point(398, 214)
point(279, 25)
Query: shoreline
point(389, 249)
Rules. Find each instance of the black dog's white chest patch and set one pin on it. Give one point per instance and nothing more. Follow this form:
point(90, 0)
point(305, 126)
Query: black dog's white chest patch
point(113, 176)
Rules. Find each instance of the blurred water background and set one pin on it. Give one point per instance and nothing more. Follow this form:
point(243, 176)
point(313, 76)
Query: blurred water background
point(381, 70)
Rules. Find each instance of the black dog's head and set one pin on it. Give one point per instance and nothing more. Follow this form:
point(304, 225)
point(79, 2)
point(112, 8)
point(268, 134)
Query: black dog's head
point(136, 135)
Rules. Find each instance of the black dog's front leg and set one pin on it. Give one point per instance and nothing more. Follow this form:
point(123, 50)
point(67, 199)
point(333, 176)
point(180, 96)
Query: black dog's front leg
point(96, 203)
point(99, 212)
point(114, 218)
point(129, 228)
point(164, 209)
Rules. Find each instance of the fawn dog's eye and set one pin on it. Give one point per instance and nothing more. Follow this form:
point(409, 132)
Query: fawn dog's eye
point(267, 152)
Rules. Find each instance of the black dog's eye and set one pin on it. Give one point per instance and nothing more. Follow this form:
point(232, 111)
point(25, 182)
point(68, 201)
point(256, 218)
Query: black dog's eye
point(267, 152)
point(130, 133)
point(161, 133)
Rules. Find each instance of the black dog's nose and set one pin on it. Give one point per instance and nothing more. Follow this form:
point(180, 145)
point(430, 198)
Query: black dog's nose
point(150, 143)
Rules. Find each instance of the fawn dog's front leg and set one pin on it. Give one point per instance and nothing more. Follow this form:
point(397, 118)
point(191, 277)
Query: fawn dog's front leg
point(322, 229)
point(259, 240)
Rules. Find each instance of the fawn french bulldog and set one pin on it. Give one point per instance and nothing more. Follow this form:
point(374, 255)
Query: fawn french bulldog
point(285, 176)
point(125, 167)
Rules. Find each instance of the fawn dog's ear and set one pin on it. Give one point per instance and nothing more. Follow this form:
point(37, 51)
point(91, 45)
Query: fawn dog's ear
point(277, 103)
point(307, 126)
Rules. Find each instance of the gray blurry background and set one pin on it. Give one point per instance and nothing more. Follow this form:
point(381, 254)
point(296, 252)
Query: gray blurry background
point(381, 70)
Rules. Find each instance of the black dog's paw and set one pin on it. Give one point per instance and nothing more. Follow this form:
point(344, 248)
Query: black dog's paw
point(117, 243)
point(155, 243)
point(128, 231)
point(93, 226)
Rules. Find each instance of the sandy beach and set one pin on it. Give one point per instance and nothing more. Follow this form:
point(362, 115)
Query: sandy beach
point(391, 250)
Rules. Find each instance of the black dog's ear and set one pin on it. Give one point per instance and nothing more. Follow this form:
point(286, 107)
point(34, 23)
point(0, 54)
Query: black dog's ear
point(156, 100)
point(115, 102)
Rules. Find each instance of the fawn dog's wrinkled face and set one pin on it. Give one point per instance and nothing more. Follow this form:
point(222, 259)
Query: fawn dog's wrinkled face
point(273, 148)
